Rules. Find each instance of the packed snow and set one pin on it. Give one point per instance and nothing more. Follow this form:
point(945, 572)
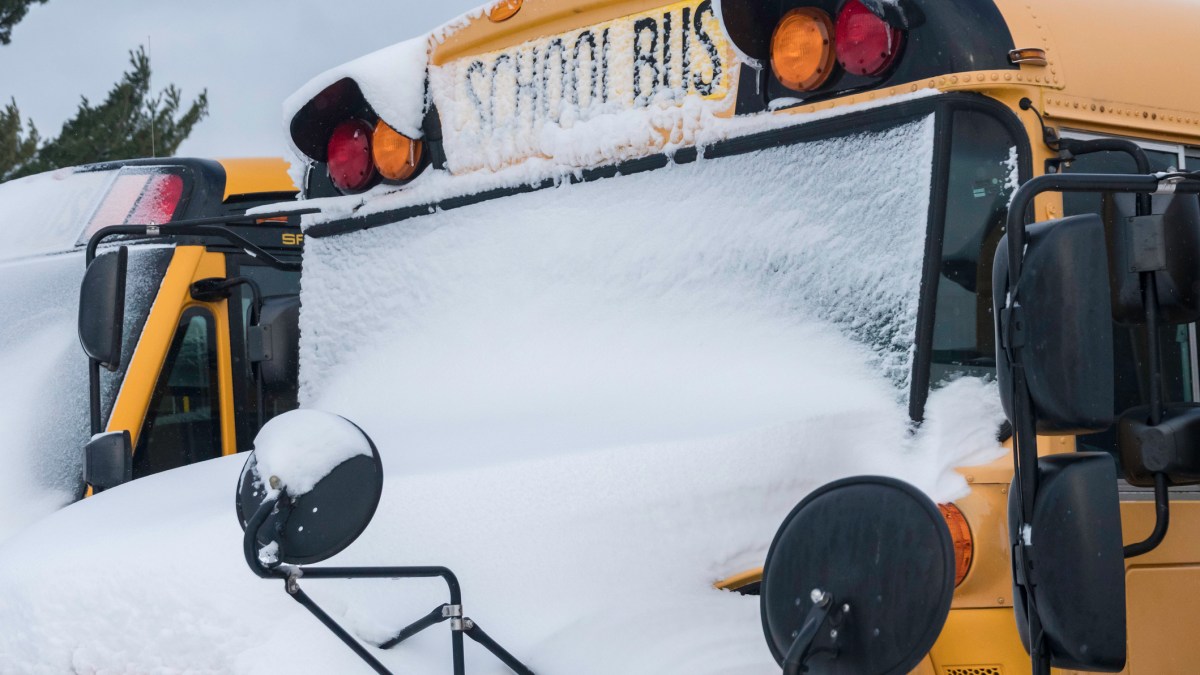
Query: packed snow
point(303, 447)
point(44, 401)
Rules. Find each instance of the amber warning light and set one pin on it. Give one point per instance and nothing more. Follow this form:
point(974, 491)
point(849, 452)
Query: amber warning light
point(964, 544)
point(808, 46)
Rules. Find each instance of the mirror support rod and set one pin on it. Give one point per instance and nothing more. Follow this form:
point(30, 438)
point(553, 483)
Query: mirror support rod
point(201, 227)
point(1162, 508)
point(459, 625)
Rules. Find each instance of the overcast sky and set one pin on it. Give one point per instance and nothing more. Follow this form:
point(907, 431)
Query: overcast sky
point(249, 54)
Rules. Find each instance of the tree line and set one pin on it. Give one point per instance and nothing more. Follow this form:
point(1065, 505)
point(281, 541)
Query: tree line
point(132, 121)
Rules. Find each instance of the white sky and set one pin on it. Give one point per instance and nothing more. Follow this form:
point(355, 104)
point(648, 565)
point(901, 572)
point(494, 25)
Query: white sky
point(249, 54)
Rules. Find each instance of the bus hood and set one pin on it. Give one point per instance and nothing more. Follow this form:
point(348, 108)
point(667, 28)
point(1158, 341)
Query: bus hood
point(592, 562)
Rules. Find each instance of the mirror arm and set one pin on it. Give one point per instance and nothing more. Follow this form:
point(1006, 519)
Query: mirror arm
point(796, 659)
point(1162, 520)
point(250, 540)
point(203, 227)
point(94, 394)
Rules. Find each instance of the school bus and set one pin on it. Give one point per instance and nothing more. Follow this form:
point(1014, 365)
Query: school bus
point(178, 384)
point(1015, 90)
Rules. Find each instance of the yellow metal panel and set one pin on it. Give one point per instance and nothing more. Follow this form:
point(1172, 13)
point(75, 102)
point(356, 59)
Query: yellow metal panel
point(980, 637)
point(134, 398)
point(255, 175)
point(213, 265)
point(537, 18)
point(188, 264)
point(1164, 613)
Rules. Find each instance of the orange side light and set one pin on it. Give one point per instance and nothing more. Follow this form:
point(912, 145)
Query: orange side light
point(964, 545)
point(396, 156)
point(802, 54)
point(504, 10)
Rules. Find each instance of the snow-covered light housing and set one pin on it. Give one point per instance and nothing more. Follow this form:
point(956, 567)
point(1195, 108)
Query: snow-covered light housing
point(363, 123)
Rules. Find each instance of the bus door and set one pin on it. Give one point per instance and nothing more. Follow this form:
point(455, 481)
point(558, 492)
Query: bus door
point(176, 399)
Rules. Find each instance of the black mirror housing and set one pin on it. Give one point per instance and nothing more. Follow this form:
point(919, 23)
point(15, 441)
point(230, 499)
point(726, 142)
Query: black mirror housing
point(277, 346)
point(1166, 244)
point(108, 460)
point(1079, 587)
point(1172, 447)
point(102, 308)
point(1064, 325)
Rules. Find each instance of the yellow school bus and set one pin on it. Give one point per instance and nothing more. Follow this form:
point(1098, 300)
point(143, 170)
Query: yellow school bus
point(528, 95)
point(179, 384)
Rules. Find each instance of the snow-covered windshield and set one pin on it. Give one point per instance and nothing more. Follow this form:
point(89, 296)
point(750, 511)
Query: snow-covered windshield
point(699, 300)
point(46, 212)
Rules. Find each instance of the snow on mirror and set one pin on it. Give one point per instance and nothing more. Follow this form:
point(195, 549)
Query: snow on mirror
point(324, 476)
point(841, 597)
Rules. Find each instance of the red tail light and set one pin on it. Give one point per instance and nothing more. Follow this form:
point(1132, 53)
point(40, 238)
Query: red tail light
point(158, 201)
point(351, 167)
point(866, 44)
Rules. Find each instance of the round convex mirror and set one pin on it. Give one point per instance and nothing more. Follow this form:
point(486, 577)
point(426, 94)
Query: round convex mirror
point(881, 547)
point(328, 477)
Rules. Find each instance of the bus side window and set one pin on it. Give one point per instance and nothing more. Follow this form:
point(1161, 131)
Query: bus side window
point(1129, 343)
point(183, 422)
point(977, 192)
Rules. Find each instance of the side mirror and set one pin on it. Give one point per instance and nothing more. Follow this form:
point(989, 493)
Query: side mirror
point(277, 347)
point(1063, 323)
point(102, 308)
point(1075, 537)
point(1166, 244)
point(324, 478)
point(108, 460)
point(859, 579)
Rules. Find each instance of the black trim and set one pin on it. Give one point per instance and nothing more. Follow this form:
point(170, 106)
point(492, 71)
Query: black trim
point(926, 313)
point(931, 270)
point(875, 119)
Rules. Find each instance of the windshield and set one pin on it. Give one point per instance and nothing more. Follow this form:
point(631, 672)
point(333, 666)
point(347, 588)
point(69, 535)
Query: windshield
point(46, 212)
point(703, 299)
point(44, 400)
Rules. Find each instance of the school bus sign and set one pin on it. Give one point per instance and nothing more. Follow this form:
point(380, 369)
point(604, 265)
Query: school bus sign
point(497, 107)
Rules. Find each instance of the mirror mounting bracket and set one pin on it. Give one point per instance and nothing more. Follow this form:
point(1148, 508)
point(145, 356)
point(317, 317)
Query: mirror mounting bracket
point(460, 625)
point(821, 615)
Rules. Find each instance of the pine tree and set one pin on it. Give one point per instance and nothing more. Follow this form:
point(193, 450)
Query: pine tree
point(11, 13)
point(129, 123)
point(17, 146)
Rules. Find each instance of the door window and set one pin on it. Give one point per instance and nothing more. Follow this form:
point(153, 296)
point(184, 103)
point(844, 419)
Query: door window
point(183, 422)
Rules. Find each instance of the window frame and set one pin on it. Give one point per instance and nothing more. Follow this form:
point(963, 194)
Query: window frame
point(212, 336)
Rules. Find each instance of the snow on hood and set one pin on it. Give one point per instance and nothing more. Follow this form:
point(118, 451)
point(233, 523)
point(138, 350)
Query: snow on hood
point(572, 561)
point(303, 447)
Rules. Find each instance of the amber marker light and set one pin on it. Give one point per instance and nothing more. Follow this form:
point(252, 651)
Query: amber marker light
point(396, 156)
point(964, 545)
point(504, 10)
point(802, 55)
